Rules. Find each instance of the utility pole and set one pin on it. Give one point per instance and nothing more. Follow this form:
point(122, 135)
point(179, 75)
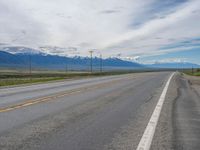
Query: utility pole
point(101, 63)
point(66, 65)
point(91, 60)
point(30, 66)
point(192, 70)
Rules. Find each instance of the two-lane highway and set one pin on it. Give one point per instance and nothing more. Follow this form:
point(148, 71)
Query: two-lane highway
point(95, 113)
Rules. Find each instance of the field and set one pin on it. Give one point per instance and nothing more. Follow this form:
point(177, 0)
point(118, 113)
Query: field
point(195, 72)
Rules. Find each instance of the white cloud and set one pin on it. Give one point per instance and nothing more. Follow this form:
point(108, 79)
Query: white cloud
point(129, 27)
point(170, 60)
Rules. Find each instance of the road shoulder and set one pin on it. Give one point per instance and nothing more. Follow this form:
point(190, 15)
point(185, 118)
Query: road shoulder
point(178, 126)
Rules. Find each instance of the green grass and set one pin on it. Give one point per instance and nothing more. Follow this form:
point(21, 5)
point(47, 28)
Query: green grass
point(196, 72)
point(16, 81)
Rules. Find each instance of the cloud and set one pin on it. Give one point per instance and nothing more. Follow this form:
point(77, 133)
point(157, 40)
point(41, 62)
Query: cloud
point(134, 58)
point(171, 60)
point(129, 27)
point(110, 11)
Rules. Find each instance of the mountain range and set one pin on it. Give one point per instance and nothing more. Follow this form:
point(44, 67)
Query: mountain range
point(22, 57)
point(46, 61)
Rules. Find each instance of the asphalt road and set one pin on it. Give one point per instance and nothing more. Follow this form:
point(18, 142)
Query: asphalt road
point(87, 114)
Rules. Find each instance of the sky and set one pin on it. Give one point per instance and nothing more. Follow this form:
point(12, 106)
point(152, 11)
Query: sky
point(146, 31)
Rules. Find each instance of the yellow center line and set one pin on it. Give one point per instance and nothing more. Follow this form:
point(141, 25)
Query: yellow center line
point(58, 95)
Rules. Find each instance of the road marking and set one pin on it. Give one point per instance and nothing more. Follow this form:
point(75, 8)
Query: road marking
point(146, 140)
point(59, 95)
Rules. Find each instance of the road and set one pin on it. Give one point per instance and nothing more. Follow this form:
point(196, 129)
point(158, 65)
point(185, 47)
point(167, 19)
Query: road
point(91, 114)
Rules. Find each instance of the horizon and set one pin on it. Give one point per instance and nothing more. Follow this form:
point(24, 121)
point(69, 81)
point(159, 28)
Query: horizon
point(143, 32)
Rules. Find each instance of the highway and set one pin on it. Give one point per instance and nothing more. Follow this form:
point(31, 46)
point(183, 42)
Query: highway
point(109, 112)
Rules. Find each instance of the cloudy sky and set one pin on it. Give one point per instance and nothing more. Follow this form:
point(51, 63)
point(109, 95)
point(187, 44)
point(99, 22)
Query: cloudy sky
point(142, 30)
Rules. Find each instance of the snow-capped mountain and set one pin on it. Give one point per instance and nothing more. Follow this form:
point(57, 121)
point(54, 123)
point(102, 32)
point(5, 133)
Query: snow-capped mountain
point(41, 60)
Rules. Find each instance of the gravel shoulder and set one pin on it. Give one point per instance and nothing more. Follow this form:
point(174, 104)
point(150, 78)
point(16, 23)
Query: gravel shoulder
point(179, 124)
point(194, 82)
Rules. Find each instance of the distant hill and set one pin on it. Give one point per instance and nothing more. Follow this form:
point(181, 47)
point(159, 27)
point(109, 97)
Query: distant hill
point(174, 65)
point(45, 61)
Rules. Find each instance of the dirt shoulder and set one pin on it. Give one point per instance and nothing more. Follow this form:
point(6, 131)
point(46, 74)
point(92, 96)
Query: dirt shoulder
point(194, 82)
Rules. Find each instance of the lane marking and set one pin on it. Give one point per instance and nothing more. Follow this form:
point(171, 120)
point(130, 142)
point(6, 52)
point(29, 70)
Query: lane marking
point(59, 95)
point(146, 140)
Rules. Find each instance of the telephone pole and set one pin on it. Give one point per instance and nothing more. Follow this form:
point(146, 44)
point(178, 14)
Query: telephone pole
point(66, 65)
point(192, 70)
point(30, 66)
point(91, 60)
point(101, 63)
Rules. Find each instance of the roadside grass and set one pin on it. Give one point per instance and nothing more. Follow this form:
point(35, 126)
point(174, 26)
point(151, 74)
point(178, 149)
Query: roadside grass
point(196, 72)
point(16, 81)
point(9, 78)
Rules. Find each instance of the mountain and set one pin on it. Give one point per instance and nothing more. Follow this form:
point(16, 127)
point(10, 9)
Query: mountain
point(8, 58)
point(45, 61)
point(174, 65)
point(19, 57)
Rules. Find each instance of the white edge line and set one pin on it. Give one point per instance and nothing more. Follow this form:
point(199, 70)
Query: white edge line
point(146, 140)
